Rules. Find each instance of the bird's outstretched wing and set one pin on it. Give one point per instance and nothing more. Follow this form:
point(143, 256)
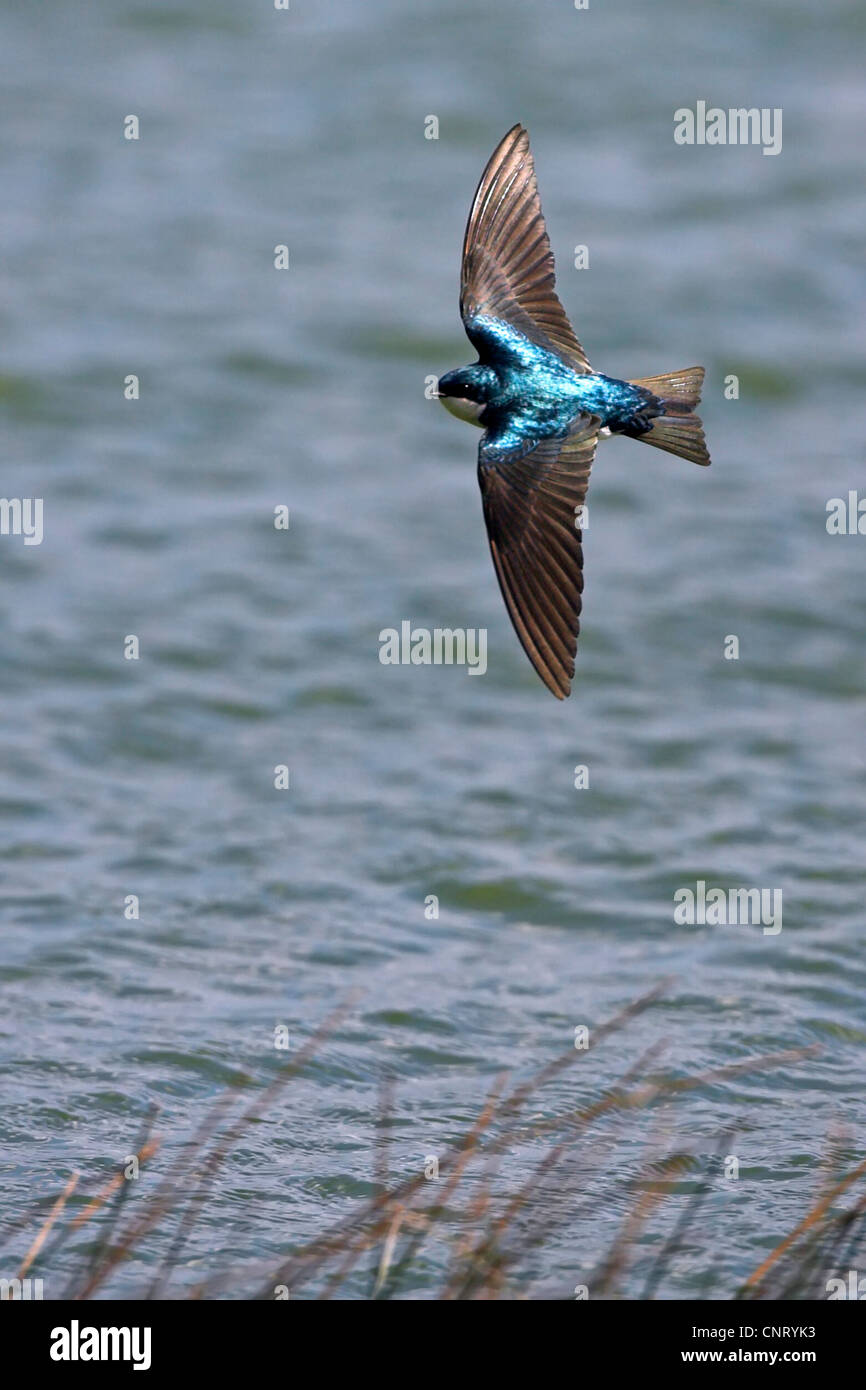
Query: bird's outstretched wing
point(529, 509)
point(507, 270)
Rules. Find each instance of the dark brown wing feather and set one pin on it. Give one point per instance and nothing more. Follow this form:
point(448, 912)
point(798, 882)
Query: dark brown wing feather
point(529, 509)
point(507, 270)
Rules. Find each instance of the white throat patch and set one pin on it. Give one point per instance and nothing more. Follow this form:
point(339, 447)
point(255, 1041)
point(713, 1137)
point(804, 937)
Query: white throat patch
point(464, 409)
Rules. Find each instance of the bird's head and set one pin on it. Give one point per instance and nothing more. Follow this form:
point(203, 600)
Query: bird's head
point(464, 393)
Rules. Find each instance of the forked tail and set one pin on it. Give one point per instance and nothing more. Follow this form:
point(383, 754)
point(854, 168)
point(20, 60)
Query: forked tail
point(677, 430)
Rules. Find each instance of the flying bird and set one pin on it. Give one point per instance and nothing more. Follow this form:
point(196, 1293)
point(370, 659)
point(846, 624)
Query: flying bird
point(542, 409)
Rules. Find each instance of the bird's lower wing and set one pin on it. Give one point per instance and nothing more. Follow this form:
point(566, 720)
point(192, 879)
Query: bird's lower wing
point(529, 509)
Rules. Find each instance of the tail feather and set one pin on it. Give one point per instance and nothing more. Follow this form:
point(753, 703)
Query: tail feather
point(677, 430)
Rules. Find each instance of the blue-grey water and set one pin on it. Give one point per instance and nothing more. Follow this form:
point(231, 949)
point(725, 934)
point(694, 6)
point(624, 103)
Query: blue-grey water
point(259, 647)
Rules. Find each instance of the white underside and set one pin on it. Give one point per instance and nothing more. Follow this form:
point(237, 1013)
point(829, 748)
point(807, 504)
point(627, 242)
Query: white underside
point(463, 409)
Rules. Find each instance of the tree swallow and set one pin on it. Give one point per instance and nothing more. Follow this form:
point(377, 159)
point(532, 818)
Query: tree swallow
point(542, 409)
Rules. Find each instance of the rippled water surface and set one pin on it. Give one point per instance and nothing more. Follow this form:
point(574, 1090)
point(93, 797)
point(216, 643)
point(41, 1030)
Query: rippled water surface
point(259, 647)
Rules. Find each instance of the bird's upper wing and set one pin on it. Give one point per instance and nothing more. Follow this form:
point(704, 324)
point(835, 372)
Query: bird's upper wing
point(529, 509)
point(507, 270)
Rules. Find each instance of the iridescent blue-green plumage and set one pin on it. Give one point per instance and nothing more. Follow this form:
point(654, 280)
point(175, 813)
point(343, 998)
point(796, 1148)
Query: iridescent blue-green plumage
point(542, 408)
point(529, 393)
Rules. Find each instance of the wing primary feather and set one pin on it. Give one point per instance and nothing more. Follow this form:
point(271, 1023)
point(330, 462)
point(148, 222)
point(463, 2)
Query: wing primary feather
point(508, 270)
point(529, 501)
